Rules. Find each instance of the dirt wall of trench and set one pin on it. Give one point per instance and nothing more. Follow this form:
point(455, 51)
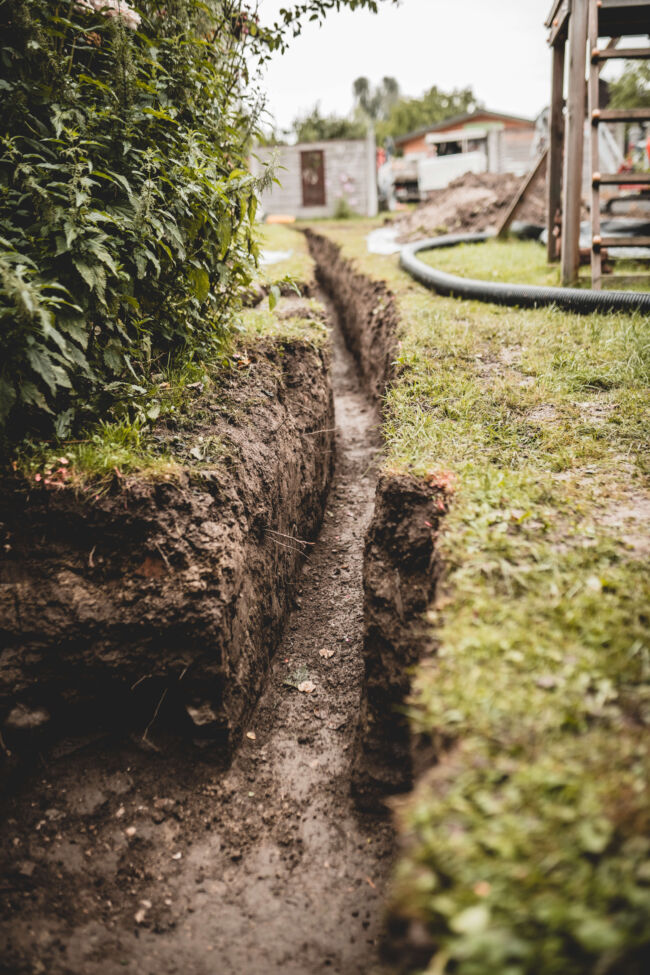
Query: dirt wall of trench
point(366, 310)
point(160, 598)
point(401, 568)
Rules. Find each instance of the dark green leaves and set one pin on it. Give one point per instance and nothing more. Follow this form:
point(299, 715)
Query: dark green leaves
point(126, 206)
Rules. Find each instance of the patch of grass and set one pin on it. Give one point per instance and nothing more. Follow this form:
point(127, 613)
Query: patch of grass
point(514, 261)
point(286, 239)
point(305, 323)
point(517, 261)
point(110, 451)
point(527, 847)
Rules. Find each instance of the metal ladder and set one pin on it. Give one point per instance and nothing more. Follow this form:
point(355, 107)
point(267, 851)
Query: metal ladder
point(613, 19)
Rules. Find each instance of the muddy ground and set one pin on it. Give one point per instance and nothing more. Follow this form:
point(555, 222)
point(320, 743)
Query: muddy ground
point(400, 564)
point(117, 858)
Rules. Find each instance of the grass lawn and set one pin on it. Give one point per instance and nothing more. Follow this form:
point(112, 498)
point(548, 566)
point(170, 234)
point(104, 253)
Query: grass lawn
point(516, 262)
point(526, 849)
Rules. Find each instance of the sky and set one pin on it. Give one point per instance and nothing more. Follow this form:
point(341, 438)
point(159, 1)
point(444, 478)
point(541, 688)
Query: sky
point(496, 47)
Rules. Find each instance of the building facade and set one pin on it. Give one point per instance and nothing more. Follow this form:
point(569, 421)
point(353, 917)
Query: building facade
point(319, 179)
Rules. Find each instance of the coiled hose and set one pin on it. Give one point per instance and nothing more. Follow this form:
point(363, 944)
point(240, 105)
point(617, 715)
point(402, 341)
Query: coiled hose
point(523, 295)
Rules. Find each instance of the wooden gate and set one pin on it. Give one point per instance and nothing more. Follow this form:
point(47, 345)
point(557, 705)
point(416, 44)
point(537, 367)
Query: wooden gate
point(312, 171)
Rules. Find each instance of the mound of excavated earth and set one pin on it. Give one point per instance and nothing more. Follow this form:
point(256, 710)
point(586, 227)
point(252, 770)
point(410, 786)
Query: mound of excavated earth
point(473, 202)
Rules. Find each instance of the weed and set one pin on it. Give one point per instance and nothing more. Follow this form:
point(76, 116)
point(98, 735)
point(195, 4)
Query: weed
point(297, 677)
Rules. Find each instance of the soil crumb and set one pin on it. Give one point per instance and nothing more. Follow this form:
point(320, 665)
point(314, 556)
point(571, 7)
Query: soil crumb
point(120, 859)
point(472, 203)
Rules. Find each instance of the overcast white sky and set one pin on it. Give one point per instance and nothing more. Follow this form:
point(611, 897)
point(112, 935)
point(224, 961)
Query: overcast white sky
point(498, 47)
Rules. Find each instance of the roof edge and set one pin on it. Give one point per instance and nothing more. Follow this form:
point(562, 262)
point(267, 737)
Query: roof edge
point(456, 120)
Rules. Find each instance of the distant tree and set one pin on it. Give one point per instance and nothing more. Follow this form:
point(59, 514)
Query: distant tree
point(435, 105)
point(376, 103)
point(632, 89)
point(315, 127)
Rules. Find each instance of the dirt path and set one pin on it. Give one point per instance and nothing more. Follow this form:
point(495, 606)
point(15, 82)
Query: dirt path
point(120, 861)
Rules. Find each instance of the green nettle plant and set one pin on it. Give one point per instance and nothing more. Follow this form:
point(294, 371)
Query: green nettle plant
point(125, 204)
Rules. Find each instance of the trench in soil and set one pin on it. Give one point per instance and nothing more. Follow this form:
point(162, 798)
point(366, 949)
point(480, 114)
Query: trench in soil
point(127, 861)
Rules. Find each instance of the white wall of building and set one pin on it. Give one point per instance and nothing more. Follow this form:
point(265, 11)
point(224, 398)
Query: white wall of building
point(350, 174)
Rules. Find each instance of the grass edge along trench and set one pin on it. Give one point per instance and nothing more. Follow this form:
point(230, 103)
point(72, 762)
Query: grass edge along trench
point(525, 848)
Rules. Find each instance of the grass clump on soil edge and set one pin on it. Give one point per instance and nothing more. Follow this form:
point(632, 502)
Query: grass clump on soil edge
point(150, 436)
point(525, 849)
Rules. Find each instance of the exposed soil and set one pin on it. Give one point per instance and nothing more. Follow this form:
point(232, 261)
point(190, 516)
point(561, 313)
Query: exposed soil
point(400, 576)
point(366, 309)
point(144, 854)
point(120, 860)
point(473, 202)
point(170, 591)
point(400, 568)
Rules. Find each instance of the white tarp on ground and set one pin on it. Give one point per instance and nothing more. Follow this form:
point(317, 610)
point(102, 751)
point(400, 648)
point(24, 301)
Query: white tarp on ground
point(383, 240)
point(274, 257)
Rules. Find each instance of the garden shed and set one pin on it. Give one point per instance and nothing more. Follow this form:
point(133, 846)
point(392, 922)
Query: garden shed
point(319, 179)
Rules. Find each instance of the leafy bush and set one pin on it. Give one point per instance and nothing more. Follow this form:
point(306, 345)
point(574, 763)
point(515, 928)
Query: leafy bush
point(343, 210)
point(126, 207)
point(125, 203)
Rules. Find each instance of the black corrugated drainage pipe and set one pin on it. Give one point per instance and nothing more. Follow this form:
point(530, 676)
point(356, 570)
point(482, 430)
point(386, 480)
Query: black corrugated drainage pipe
point(524, 295)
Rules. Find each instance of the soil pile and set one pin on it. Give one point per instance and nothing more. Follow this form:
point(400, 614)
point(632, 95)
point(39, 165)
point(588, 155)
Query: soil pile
point(473, 202)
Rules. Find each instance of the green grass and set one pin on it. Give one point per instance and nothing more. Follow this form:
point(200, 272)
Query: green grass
point(516, 262)
point(125, 444)
point(286, 238)
point(527, 847)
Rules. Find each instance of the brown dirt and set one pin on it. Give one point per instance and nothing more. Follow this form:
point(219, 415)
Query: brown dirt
point(366, 310)
point(176, 588)
point(119, 860)
point(400, 576)
point(400, 570)
point(473, 202)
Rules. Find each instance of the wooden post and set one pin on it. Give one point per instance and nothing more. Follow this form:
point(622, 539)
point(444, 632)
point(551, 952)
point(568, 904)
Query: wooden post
point(594, 138)
point(520, 196)
point(573, 143)
point(555, 147)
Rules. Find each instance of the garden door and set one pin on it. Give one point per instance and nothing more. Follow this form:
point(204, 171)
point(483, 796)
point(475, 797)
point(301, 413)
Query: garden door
point(312, 171)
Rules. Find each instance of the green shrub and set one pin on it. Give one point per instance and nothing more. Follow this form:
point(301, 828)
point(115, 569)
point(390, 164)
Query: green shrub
point(125, 203)
point(343, 210)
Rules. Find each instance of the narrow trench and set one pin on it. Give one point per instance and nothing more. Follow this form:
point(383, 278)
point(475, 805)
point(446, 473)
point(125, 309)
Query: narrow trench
point(268, 867)
point(305, 895)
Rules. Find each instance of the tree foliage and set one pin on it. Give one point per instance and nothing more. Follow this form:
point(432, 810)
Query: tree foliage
point(632, 89)
point(435, 105)
point(375, 103)
point(125, 207)
point(315, 127)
